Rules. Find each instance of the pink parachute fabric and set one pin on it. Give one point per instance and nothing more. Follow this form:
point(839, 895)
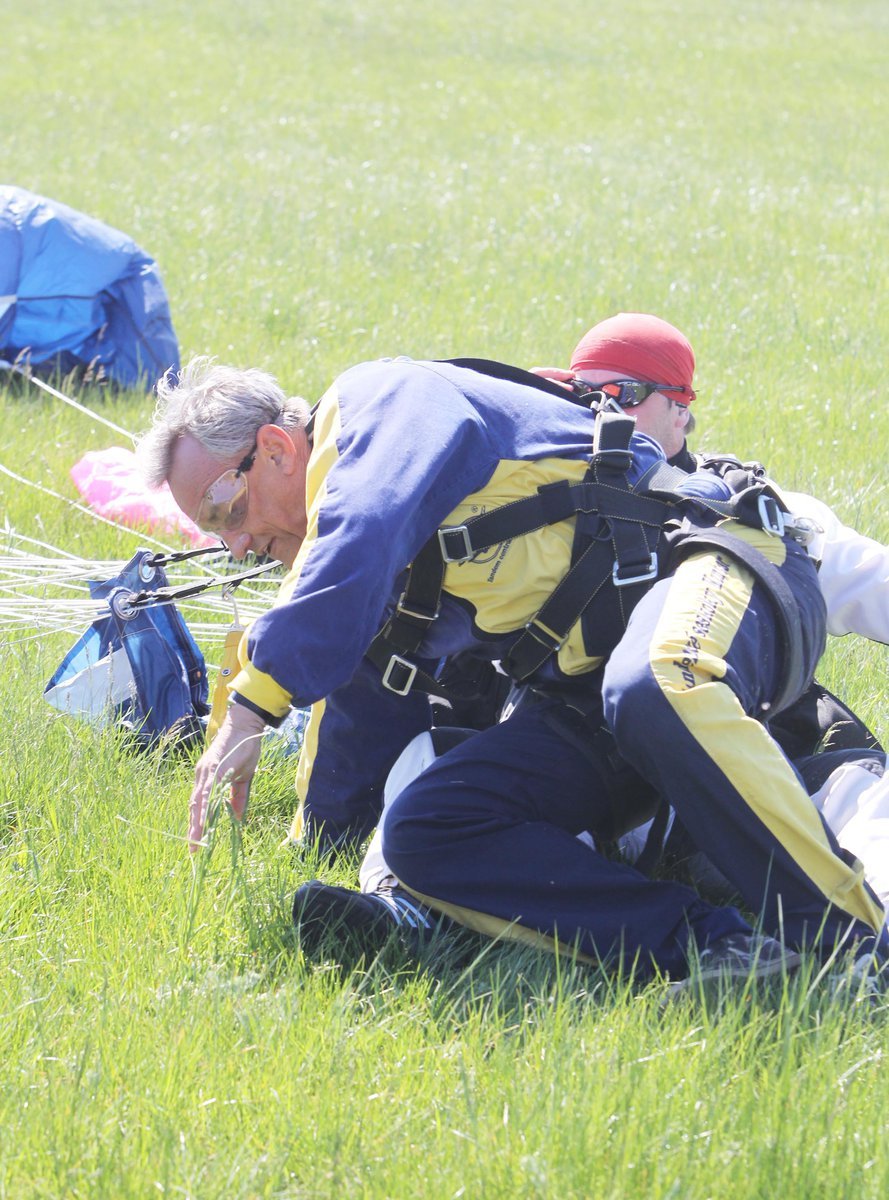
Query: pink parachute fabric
point(111, 484)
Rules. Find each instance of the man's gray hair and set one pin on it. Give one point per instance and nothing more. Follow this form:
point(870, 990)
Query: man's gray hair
point(221, 407)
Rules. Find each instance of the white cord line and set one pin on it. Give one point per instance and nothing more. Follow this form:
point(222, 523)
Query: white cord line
point(67, 400)
point(94, 569)
point(23, 537)
point(82, 508)
point(206, 570)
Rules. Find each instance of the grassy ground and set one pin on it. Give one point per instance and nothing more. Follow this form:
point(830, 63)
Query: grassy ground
point(326, 182)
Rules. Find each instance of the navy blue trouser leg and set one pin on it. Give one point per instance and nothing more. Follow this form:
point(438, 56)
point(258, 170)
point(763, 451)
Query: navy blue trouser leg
point(489, 830)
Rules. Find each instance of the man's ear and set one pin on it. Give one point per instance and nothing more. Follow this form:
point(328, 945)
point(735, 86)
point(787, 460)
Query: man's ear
point(278, 447)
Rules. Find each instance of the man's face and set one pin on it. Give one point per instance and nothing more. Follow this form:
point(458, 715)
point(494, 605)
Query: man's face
point(274, 522)
point(658, 416)
point(664, 420)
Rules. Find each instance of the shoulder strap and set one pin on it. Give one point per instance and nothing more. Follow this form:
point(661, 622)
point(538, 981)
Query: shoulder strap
point(499, 370)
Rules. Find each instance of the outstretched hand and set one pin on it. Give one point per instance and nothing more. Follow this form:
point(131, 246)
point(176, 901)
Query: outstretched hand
point(230, 760)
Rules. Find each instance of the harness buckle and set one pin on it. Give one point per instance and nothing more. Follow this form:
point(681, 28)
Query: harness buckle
point(642, 573)
point(803, 530)
point(402, 609)
point(399, 675)
point(459, 534)
point(770, 514)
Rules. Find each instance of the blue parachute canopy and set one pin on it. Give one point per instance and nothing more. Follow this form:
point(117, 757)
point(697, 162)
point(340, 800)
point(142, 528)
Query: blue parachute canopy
point(75, 292)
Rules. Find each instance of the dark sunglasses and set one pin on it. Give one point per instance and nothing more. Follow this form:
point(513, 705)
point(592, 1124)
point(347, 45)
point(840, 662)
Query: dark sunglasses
point(628, 393)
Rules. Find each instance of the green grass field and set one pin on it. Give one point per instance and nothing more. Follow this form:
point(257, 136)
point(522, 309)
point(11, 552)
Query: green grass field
point(326, 182)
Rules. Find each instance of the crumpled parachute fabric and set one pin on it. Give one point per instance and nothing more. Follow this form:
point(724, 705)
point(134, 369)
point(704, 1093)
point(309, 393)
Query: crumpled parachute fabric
point(75, 292)
point(112, 484)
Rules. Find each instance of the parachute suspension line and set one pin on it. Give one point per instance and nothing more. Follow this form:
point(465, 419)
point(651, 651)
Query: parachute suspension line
point(74, 404)
point(163, 560)
point(67, 610)
point(23, 537)
point(82, 508)
point(227, 670)
point(169, 555)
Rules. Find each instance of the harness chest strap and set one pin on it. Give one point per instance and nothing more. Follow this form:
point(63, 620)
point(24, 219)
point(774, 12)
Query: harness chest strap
point(623, 553)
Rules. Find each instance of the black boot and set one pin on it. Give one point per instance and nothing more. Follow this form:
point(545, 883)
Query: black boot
point(364, 921)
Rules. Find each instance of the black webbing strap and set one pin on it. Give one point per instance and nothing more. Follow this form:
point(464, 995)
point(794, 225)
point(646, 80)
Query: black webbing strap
point(794, 678)
point(400, 675)
point(403, 633)
point(612, 455)
point(597, 566)
point(617, 549)
point(419, 603)
point(634, 531)
point(758, 505)
point(553, 502)
point(499, 370)
point(548, 629)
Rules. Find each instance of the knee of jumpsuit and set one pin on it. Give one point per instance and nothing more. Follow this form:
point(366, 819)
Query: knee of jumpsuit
point(419, 840)
point(521, 774)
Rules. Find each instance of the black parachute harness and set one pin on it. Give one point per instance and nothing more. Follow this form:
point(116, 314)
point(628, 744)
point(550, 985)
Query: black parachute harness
point(625, 539)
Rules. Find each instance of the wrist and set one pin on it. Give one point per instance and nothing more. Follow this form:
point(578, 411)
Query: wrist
point(245, 716)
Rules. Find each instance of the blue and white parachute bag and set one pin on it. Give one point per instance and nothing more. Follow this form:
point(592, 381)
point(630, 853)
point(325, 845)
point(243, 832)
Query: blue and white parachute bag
point(137, 667)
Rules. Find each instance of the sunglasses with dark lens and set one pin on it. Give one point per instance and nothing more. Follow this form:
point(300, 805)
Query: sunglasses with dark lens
point(224, 504)
point(628, 393)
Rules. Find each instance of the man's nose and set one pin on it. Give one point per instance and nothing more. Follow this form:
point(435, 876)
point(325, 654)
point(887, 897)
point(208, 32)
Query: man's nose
point(238, 542)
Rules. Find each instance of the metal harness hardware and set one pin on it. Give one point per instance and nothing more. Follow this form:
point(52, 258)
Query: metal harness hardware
point(616, 554)
point(460, 534)
point(770, 514)
point(645, 572)
point(399, 675)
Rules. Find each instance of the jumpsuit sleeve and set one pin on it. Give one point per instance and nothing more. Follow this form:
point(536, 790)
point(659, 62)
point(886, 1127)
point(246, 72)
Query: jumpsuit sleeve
point(397, 447)
point(854, 573)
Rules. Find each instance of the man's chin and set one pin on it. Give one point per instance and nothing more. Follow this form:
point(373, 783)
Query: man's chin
point(284, 550)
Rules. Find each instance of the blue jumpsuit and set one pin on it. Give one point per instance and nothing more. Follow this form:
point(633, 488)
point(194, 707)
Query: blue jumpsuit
point(401, 449)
